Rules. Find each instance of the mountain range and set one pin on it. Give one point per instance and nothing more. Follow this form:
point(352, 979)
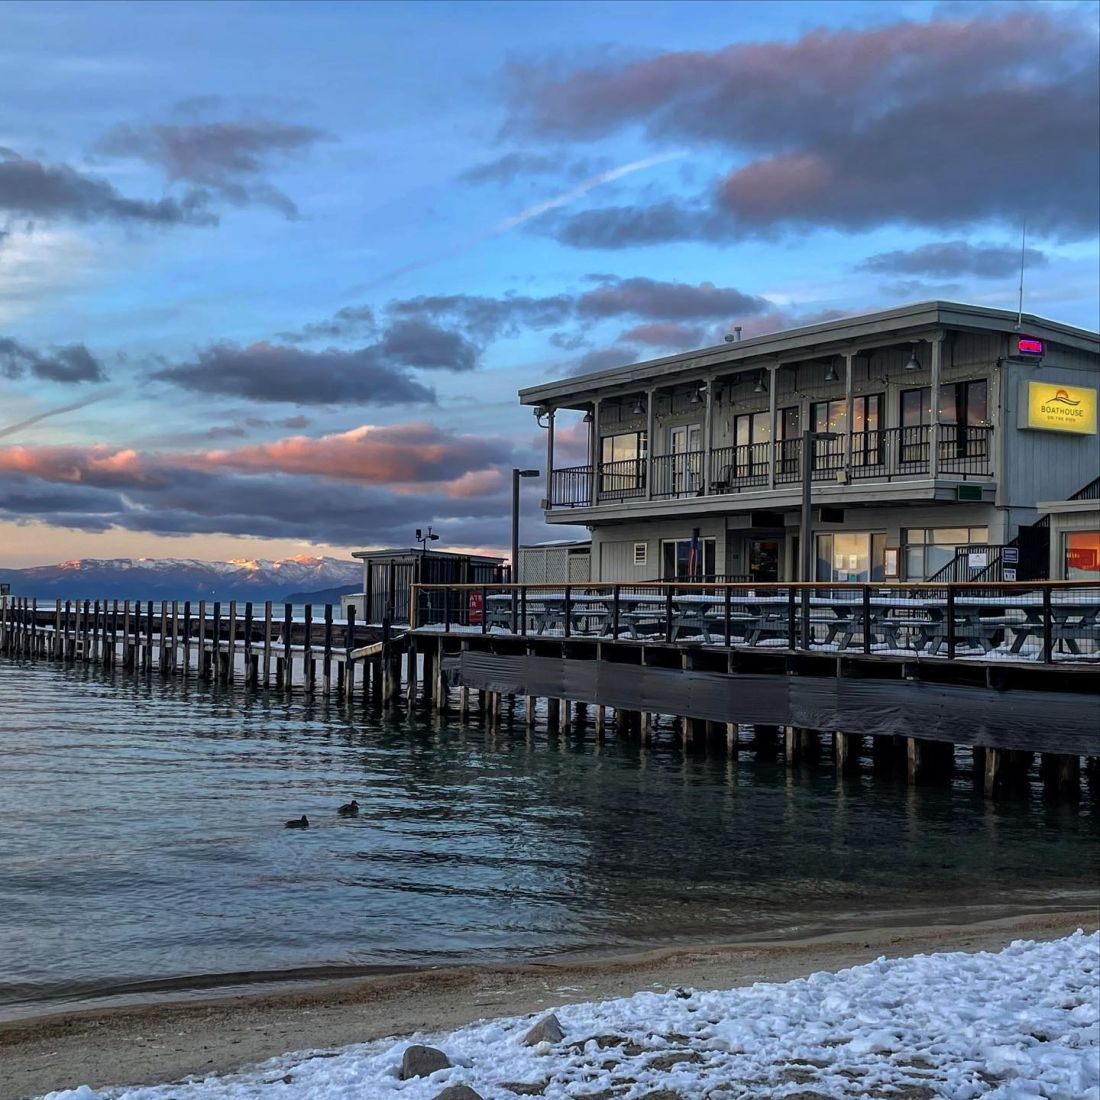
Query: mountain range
point(303, 578)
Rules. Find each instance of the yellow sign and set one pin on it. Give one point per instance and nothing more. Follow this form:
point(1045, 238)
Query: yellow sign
point(1054, 407)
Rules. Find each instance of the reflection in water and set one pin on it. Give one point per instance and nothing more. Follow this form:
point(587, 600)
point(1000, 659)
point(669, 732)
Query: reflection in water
point(142, 842)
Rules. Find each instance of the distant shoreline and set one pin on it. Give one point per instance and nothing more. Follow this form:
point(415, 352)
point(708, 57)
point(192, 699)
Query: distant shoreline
point(163, 1041)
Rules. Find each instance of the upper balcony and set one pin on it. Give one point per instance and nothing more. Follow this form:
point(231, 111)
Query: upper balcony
point(884, 455)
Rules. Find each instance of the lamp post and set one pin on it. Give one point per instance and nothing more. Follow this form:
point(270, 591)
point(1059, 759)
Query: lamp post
point(516, 475)
point(806, 526)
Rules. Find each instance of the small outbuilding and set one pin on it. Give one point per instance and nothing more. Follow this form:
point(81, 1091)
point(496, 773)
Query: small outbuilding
point(388, 577)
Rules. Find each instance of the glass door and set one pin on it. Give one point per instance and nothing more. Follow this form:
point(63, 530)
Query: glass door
point(685, 445)
point(764, 560)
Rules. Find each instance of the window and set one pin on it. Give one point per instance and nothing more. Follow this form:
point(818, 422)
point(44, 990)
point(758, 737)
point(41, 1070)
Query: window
point(622, 464)
point(641, 553)
point(676, 561)
point(867, 419)
point(750, 429)
point(858, 556)
point(790, 432)
point(930, 549)
point(1082, 555)
point(963, 412)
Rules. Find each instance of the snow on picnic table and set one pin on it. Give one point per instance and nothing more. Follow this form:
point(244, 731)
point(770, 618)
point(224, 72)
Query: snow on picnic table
point(1017, 1024)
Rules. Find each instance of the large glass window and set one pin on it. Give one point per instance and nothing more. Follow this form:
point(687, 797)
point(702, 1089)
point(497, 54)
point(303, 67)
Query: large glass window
point(676, 563)
point(929, 549)
point(790, 433)
point(964, 411)
point(622, 464)
point(856, 556)
point(1082, 555)
point(749, 429)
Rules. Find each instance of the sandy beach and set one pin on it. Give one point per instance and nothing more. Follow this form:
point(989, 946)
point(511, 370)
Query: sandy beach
point(155, 1043)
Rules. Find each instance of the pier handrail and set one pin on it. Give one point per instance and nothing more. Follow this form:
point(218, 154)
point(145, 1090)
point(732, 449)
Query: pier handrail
point(983, 621)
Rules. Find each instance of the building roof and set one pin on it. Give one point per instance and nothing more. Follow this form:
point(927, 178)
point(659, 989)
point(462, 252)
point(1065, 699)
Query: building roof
point(416, 552)
point(911, 322)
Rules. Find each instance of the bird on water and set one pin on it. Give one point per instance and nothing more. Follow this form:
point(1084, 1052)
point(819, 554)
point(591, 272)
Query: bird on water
point(299, 823)
point(349, 809)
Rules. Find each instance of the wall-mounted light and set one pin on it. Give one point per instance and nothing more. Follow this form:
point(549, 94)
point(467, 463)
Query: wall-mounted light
point(638, 409)
point(697, 395)
point(758, 385)
point(831, 374)
point(914, 362)
point(587, 418)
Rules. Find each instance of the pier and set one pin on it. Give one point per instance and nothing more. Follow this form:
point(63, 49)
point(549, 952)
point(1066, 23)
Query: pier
point(258, 647)
point(1008, 672)
point(906, 680)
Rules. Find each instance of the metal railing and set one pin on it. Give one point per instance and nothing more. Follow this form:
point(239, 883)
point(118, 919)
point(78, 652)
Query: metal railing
point(882, 453)
point(1052, 621)
point(679, 475)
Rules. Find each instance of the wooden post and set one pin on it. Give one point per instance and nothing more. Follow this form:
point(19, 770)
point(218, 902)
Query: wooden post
point(163, 636)
point(288, 652)
point(1061, 776)
point(267, 643)
point(645, 726)
point(792, 746)
point(846, 751)
point(84, 631)
point(95, 627)
point(200, 641)
point(249, 671)
point(326, 668)
point(149, 626)
point(114, 633)
point(174, 627)
point(565, 716)
point(307, 652)
point(733, 738)
point(185, 640)
point(57, 628)
point(215, 659)
point(530, 702)
point(231, 643)
point(410, 674)
point(553, 713)
point(600, 722)
point(349, 645)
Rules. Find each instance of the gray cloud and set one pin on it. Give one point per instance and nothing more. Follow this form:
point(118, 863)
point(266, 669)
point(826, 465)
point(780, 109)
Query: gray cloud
point(935, 123)
point(664, 301)
point(518, 165)
point(485, 318)
point(419, 343)
point(29, 188)
point(73, 363)
point(229, 159)
point(272, 372)
point(948, 259)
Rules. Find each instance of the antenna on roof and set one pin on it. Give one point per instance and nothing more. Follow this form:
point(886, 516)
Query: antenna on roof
point(1020, 300)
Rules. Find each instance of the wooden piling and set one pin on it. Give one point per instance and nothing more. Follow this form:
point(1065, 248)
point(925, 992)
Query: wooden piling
point(249, 668)
point(163, 658)
point(231, 643)
point(307, 650)
point(287, 681)
point(847, 748)
point(1061, 776)
point(267, 644)
point(326, 667)
point(349, 646)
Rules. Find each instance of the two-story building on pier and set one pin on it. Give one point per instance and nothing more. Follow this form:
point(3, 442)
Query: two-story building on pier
point(942, 428)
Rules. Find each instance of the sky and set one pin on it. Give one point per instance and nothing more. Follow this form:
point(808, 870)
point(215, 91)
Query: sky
point(272, 274)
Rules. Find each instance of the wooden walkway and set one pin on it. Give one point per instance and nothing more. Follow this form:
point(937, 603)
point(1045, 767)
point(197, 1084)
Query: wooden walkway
point(222, 643)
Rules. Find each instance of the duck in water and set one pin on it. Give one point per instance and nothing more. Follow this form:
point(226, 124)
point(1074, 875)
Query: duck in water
point(299, 823)
point(349, 809)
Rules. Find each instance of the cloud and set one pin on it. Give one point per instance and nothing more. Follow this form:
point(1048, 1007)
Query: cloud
point(229, 159)
point(948, 259)
point(962, 119)
point(29, 188)
point(273, 372)
point(71, 364)
point(332, 489)
point(395, 454)
point(665, 334)
point(474, 320)
point(59, 410)
point(515, 165)
point(605, 359)
point(657, 300)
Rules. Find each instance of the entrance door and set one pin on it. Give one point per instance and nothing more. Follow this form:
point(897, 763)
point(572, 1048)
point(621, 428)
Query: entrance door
point(685, 444)
point(764, 560)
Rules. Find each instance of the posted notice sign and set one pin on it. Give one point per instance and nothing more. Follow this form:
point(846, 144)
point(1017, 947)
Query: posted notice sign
point(1054, 407)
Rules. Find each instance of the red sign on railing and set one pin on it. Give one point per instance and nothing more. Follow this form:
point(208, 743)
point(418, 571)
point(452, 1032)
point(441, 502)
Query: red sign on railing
point(476, 608)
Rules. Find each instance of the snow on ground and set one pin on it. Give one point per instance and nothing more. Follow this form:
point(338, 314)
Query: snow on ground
point(1013, 1025)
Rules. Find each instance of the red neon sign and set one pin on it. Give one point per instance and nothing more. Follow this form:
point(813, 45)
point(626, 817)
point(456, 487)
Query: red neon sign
point(1026, 345)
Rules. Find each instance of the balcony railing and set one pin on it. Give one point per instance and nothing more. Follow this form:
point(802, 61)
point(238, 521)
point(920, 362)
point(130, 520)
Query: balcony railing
point(679, 475)
point(884, 453)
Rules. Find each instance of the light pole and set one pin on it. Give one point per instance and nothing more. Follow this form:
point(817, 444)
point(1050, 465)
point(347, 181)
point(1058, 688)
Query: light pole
point(517, 473)
point(806, 526)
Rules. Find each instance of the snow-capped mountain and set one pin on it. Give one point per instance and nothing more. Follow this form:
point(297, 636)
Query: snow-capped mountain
point(181, 578)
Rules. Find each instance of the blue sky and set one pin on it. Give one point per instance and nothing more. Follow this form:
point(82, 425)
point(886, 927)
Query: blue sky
point(285, 265)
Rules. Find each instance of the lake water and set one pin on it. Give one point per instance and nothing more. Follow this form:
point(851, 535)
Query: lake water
point(142, 848)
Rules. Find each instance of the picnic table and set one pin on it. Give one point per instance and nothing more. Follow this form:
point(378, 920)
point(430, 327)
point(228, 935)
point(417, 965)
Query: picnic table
point(918, 623)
